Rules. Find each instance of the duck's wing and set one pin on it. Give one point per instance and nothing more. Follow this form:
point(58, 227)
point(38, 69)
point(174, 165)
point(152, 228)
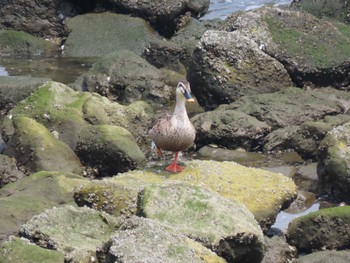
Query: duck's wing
point(160, 126)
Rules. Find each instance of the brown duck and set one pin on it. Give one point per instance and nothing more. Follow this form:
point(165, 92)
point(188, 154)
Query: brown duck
point(175, 132)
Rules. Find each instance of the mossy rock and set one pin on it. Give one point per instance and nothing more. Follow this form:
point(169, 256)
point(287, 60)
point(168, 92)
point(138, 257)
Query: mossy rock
point(224, 225)
point(21, 44)
point(229, 65)
point(137, 239)
point(58, 108)
point(38, 149)
point(324, 229)
point(111, 149)
point(105, 196)
point(334, 162)
point(8, 171)
point(126, 77)
point(68, 229)
point(229, 128)
point(314, 51)
point(336, 9)
point(16, 88)
point(97, 34)
point(271, 191)
point(21, 250)
point(325, 257)
point(32, 195)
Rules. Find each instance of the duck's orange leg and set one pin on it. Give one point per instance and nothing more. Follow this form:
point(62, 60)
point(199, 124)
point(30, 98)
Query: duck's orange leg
point(174, 168)
point(159, 151)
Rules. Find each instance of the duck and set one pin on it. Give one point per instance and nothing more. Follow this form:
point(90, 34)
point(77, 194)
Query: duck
point(175, 132)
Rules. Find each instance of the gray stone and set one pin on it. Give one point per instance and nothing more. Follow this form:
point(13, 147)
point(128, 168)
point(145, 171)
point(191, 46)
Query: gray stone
point(149, 241)
point(8, 171)
point(221, 224)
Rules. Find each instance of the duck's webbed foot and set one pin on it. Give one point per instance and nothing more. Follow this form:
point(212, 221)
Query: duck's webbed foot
point(174, 168)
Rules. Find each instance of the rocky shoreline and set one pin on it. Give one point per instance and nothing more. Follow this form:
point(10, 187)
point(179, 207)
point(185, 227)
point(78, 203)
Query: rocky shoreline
point(77, 179)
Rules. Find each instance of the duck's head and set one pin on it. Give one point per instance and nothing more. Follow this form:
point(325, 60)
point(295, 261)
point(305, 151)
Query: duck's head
point(183, 91)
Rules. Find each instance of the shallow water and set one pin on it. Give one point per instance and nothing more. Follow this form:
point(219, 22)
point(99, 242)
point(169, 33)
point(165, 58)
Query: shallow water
point(222, 8)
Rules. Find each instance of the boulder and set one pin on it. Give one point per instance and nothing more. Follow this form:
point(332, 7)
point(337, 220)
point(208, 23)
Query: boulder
point(325, 257)
point(223, 225)
point(334, 162)
point(38, 149)
point(9, 172)
point(229, 65)
point(272, 191)
point(95, 35)
point(69, 230)
point(277, 250)
point(164, 15)
point(303, 43)
point(62, 114)
point(324, 229)
point(104, 195)
point(16, 88)
point(125, 77)
point(31, 195)
point(336, 9)
point(44, 18)
point(149, 241)
point(21, 44)
point(229, 128)
point(109, 149)
point(21, 250)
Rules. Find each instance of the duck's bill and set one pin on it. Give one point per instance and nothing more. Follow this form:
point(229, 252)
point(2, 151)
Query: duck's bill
point(190, 100)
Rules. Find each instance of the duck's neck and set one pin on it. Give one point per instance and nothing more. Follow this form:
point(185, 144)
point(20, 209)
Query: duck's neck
point(180, 108)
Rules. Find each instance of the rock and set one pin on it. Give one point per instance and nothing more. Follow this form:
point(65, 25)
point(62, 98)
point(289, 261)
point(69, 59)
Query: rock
point(240, 156)
point(309, 135)
point(325, 229)
point(45, 18)
point(228, 65)
point(69, 229)
point(110, 149)
point(38, 149)
point(288, 107)
point(16, 88)
point(229, 128)
point(271, 191)
point(306, 177)
point(325, 257)
point(21, 250)
point(66, 113)
point(95, 35)
point(125, 77)
point(277, 250)
point(167, 54)
point(164, 15)
point(334, 162)
point(103, 195)
point(337, 9)
point(135, 117)
point(21, 44)
point(149, 241)
point(303, 43)
point(9, 172)
point(223, 225)
point(31, 195)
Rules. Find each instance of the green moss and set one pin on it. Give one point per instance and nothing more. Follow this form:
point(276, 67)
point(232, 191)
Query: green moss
point(18, 250)
point(21, 43)
point(320, 49)
point(342, 212)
